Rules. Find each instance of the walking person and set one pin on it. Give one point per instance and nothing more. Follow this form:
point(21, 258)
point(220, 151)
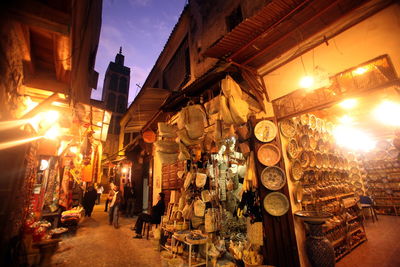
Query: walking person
point(115, 202)
point(100, 190)
point(89, 200)
point(154, 217)
point(108, 197)
point(129, 196)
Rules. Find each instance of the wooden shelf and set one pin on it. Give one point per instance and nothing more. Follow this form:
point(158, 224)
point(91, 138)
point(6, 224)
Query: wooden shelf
point(338, 241)
point(355, 230)
point(358, 243)
point(328, 198)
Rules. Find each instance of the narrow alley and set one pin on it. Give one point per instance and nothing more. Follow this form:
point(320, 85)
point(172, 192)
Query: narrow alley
point(97, 243)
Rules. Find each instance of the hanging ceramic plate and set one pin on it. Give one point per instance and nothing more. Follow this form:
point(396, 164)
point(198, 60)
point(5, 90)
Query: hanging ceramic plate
point(381, 154)
point(304, 119)
point(320, 145)
point(355, 177)
point(323, 126)
point(318, 160)
point(354, 170)
point(325, 161)
point(292, 149)
point(331, 161)
point(313, 160)
point(393, 153)
point(273, 178)
point(318, 125)
point(313, 143)
point(297, 170)
point(288, 128)
point(265, 131)
point(353, 164)
point(276, 204)
point(358, 184)
point(305, 141)
point(269, 154)
point(312, 121)
point(304, 159)
point(383, 145)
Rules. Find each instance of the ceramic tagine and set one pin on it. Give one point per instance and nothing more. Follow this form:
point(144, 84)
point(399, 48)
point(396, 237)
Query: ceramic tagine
point(319, 250)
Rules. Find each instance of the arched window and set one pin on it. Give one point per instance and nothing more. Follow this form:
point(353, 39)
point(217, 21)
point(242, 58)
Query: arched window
point(111, 102)
point(121, 108)
point(123, 85)
point(114, 83)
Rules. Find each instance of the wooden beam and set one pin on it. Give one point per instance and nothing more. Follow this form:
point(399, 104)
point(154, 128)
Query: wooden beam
point(34, 13)
point(47, 81)
point(45, 103)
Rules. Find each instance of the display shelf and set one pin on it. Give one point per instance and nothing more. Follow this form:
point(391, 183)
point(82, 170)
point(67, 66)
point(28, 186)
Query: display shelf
point(322, 199)
point(353, 218)
point(189, 260)
point(355, 230)
point(358, 243)
point(338, 241)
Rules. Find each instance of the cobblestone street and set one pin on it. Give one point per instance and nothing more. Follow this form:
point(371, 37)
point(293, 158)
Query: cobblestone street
point(96, 243)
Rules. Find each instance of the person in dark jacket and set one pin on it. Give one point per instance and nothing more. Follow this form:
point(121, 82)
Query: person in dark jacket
point(154, 217)
point(129, 197)
point(89, 200)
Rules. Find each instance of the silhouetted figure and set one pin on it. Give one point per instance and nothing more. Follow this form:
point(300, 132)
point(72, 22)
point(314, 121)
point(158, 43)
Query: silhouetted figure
point(89, 199)
point(154, 217)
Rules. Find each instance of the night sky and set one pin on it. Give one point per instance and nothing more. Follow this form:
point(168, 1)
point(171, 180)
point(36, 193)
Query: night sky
point(142, 28)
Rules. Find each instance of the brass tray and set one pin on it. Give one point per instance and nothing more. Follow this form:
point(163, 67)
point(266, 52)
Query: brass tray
point(318, 160)
point(276, 204)
point(305, 141)
point(318, 125)
point(273, 178)
point(312, 121)
point(304, 119)
point(313, 159)
point(304, 159)
point(313, 142)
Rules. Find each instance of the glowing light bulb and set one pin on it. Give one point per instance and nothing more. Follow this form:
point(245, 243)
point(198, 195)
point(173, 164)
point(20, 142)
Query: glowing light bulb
point(306, 82)
point(360, 70)
point(124, 170)
point(51, 116)
point(349, 103)
point(353, 139)
point(73, 149)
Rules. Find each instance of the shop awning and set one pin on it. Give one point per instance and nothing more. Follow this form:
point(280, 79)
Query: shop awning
point(144, 107)
point(282, 25)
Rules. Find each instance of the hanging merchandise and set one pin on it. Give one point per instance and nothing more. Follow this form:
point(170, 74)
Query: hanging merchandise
point(237, 107)
point(255, 232)
point(87, 173)
point(187, 211)
point(225, 113)
point(192, 118)
point(167, 146)
point(199, 207)
point(149, 136)
point(184, 137)
point(213, 106)
point(210, 221)
point(251, 176)
point(184, 153)
point(167, 158)
point(201, 179)
point(167, 130)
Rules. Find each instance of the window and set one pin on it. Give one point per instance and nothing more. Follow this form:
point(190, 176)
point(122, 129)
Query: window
point(112, 122)
point(123, 85)
point(117, 126)
point(177, 72)
point(121, 108)
point(234, 19)
point(113, 83)
point(111, 102)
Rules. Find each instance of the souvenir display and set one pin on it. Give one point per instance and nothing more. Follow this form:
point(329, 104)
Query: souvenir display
point(312, 121)
point(273, 178)
point(288, 128)
point(292, 148)
point(296, 170)
point(276, 204)
point(304, 159)
point(269, 154)
point(265, 131)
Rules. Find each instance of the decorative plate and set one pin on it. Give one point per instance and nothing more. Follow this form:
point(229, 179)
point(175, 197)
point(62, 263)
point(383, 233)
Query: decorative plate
point(305, 141)
point(320, 145)
point(313, 160)
point(331, 161)
point(318, 160)
point(276, 204)
point(355, 177)
point(304, 119)
point(312, 121)
point(354, 170)
point(393, 153)
point(288, 128)
point(292, 149)
point(381, 154)
point(325, 161)
point(318, 125)
point(353, 164)
point(273, 178)
point(383, 145)
point(297, 170)
point(313, 143)
point(269, 154)
point(358, 185)
point(323, 126)
point(265, 131)
point(304, 159)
